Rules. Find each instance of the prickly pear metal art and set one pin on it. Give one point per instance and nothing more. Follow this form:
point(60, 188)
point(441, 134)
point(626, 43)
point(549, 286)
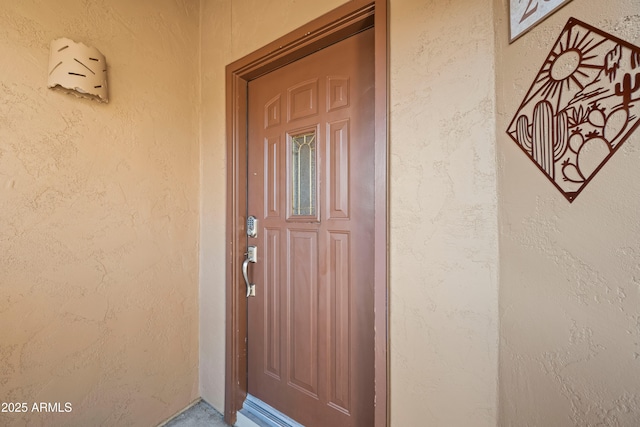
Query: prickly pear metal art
point(582, 106)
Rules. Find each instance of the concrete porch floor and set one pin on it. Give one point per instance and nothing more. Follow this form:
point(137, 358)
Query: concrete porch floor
point(199, 415)
point(202, 414)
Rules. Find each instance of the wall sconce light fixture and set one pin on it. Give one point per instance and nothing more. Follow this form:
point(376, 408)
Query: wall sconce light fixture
point(78, 69)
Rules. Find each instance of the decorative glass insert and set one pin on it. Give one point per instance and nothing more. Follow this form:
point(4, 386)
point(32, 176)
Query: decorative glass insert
point(303, 169)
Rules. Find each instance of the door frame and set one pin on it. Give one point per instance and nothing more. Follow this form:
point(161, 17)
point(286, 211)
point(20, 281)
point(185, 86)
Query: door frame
point(338, 24)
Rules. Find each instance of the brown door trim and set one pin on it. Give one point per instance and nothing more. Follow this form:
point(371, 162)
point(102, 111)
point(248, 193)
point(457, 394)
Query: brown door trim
point(342, 22)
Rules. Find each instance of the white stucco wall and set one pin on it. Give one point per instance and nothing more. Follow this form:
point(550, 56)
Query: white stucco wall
point(569, 273)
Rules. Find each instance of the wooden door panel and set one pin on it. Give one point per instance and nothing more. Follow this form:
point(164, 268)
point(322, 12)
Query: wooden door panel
point(338, 176)
point(272, 112)
point(310, 334)
point(337, 92)
point(273, 170)
point(302, 310)
point(303, 100)
point(273, 298)
point(339, 320)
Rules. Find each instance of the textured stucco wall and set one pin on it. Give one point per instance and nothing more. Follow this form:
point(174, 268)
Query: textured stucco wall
point(444, 262)
point(215, 45)
point(443, 203)
point(570, 273)
point(99, 215)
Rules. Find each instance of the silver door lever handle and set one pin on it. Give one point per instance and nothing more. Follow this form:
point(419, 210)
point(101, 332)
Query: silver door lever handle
point(245, 274)
point(252, 256)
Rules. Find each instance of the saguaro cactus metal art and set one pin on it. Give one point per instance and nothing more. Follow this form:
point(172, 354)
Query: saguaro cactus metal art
point(547, 140)
point(580, 107)
point(626, 89)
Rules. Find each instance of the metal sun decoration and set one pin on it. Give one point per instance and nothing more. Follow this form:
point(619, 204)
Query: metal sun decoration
point(582, 106)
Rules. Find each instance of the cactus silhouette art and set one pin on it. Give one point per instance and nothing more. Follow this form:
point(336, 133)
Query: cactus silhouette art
point(548, 138)
point(583, 104)
point(625, 90)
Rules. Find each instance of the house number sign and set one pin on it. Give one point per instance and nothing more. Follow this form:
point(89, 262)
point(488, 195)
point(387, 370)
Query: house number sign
point(527, 13)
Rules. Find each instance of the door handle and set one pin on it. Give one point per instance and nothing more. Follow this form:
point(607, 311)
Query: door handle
point(245, 274)
point(251, 256)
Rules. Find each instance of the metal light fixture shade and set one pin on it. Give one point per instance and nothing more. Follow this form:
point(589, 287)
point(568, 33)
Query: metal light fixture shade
point(78, 69)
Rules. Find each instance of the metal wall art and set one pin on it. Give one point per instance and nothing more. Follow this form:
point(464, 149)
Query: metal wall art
point(525, 14)
point(583, 104)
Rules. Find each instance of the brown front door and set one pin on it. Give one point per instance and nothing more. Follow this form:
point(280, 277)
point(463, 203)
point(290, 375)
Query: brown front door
point(311, 188)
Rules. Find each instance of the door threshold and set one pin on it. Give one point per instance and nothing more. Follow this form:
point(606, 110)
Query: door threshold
point(256, 413)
